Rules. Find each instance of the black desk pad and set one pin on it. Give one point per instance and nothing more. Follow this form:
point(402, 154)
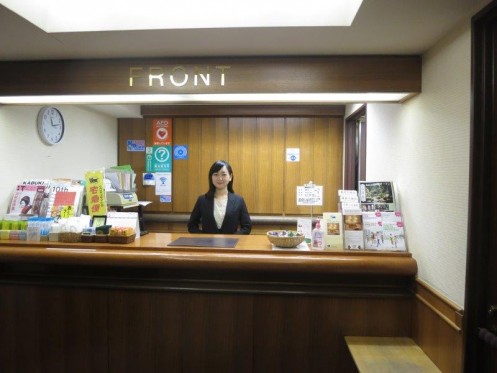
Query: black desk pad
point(204, 242)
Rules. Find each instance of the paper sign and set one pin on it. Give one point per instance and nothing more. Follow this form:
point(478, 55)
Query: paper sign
point(293, 154)
point(163, 184)
point(310, 196)
point(95, 193)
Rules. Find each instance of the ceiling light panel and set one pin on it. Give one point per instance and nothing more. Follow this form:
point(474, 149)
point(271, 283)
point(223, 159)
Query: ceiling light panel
point(262, 98)
point(105, 15)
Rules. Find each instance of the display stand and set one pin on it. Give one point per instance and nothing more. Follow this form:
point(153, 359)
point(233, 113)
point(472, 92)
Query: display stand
point(140, 205)
point(310, 194)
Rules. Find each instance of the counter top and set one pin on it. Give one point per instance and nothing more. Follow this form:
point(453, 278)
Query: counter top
point(151, 250)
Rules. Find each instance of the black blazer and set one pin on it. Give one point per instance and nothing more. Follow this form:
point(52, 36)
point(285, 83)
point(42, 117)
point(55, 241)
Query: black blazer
point(236, 221)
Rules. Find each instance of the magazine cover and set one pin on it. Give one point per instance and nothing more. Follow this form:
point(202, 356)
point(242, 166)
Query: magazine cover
point(333, 232)
point(66, 198)
point(353, 231)
point(377, 196)
point(28, 199)
point(373, 230)
point(393, 231)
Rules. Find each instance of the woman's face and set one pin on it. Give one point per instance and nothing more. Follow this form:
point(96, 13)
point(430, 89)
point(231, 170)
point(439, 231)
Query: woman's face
point(221, 178)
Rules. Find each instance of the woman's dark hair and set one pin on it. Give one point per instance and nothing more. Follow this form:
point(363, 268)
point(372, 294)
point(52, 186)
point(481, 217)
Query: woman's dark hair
point(216, 166)
point(25, 199)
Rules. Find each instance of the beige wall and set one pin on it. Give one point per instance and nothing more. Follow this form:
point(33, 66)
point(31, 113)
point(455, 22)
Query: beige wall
point(423, 145)
point(90, 142)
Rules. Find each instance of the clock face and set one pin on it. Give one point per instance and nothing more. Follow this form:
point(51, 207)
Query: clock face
point(50, 125)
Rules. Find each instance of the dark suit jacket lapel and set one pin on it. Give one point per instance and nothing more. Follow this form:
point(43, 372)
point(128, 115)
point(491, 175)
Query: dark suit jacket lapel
point(230, 206)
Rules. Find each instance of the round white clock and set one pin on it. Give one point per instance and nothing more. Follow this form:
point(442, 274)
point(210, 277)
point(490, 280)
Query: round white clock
point(50, 124)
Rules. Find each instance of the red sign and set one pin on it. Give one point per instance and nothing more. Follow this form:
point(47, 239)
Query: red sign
point(162, 131)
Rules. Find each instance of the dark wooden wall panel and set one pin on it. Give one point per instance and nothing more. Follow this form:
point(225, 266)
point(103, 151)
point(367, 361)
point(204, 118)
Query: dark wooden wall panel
point(53, 329)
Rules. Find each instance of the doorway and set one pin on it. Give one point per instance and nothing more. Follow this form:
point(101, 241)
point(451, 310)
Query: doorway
point(355, 149)
point(480, 326)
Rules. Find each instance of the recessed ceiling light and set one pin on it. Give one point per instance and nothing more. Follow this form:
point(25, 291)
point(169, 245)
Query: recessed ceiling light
point(96, 15)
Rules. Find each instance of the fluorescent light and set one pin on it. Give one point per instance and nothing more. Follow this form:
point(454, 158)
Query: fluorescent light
point(101, 15)
point(262, 98)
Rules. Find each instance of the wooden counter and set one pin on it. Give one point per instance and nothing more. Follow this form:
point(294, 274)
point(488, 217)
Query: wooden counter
point(146, 306)
point(251, 259)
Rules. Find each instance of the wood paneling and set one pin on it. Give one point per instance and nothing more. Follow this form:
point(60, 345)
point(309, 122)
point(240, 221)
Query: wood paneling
point(53, 329)
point(244, 110)
point(133, 129)
point(256, 155)
point(320, 144)
point(256, 149)
point(437, 328)
point(153, 331)
point(207, 140)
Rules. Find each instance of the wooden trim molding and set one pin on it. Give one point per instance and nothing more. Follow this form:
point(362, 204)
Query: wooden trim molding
point(437, 327)
point(448, 311)
point(243, 110)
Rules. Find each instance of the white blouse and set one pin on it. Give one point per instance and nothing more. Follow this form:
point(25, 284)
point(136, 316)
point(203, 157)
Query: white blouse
point(220, 210)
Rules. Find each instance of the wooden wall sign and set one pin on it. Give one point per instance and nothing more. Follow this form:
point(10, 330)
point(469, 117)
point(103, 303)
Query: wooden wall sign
point(323, 74)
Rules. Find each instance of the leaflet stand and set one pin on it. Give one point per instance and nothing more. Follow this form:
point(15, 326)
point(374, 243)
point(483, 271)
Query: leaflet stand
point(311, 195)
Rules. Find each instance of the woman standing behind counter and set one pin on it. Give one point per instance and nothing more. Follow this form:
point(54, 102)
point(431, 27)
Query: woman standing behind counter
point(220, 210)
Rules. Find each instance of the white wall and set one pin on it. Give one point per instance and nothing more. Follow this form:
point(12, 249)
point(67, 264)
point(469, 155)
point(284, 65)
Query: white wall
point(423, 145)
point(90, 142)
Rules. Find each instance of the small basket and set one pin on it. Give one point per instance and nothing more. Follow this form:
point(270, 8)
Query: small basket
point(69, 237)
point(87, 238)
point(284, 241)
point(101, 238)
point(122, 239)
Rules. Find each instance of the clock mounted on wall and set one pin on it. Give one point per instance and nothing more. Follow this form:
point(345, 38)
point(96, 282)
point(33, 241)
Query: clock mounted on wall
point(50, 125)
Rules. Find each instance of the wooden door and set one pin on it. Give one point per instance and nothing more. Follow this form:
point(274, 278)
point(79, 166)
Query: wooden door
point(480, 337)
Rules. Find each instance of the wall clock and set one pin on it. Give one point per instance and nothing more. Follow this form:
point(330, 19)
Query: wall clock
point(50, 125)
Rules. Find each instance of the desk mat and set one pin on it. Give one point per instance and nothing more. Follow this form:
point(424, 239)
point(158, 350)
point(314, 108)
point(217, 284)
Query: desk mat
point(204, 242)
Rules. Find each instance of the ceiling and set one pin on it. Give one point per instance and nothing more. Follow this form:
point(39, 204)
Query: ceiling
point(390, 27)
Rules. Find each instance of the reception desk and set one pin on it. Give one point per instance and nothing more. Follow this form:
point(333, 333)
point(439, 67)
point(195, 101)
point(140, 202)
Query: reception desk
point(152, 307)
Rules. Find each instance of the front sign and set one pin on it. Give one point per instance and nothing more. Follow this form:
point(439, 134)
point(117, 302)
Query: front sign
point(177, 76)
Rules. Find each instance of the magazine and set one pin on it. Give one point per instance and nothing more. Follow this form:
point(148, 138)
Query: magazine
point(66, 198)
point(29, 199)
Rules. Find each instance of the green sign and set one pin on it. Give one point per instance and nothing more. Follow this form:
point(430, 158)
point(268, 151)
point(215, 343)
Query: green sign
point(159, 159)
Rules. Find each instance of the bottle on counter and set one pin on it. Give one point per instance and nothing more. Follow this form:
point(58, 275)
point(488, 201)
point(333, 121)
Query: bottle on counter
point(318, 236)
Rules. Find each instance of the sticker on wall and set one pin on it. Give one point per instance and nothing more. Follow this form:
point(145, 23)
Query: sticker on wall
point(293, 154)
point(159, 159)
point(148, 179)
point(180, 152)
point(165, 199)
point(163, 184)
point(162, 130)
point(135, 146)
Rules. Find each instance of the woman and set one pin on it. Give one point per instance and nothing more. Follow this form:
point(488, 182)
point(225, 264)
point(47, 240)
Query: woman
point(220, 210)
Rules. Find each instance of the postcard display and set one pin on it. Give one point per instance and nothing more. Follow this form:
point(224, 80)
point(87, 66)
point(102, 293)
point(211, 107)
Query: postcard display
point(366, 220)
